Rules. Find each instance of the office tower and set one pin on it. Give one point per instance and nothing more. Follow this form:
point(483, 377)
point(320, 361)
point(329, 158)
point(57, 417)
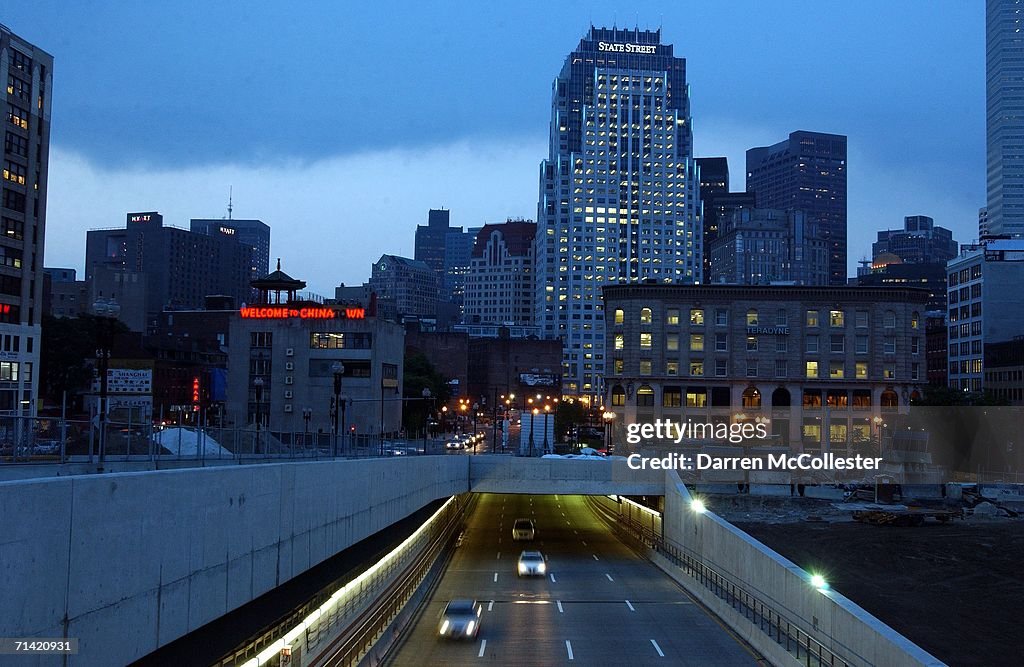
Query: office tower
point(806, 172)
point(148, 267)
point(982, 223)
point(254, 233)
point(499, 287)
point(713, 182)
point(430, 239)
point(618, 191)
point(984, 306)
point(1004, 75)
point(758, 246)
point(410, 284)
point(28, 72)
point(446, 250)
point(915, 256)
point(919, 242)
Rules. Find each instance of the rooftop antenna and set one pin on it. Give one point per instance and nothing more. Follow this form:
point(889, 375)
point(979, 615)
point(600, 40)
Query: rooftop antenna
point(230, 207)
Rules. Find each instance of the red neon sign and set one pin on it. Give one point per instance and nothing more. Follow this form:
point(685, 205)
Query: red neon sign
point(318, 313)
point(195, 393)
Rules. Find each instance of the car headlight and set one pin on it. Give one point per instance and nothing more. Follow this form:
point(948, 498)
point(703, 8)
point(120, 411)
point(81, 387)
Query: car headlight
point(542, 568)
point(444, 628)
point(470, 626)
point(522, 568)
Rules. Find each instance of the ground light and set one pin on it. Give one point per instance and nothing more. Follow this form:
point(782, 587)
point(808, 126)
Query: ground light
point(698, 506)
point(819, 582)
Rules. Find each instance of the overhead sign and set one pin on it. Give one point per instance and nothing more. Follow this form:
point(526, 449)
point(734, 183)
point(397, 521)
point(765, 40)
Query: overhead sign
point(312, 313)
point(539, 379)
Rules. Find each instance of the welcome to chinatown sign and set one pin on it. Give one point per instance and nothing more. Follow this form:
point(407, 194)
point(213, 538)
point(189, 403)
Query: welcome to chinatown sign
point(286, 313)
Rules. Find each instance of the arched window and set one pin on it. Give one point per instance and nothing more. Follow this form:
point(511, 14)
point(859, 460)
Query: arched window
point(618, 395)
point(781, 398)
point(915, 396)
point(620, 316)
point(915, 320)
point(645, 397)
point(890, 400)
point(889, 321)
point(752, 317)
point(751, 397)
point(646, 316)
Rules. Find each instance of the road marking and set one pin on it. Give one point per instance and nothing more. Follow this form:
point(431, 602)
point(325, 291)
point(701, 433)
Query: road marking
point(627, 604)
point(553, 578)
point(483, 647)
point(584, 542)
point(559, 603)
point(596, 558)
point(658, 648)
point(496, 577)
point(576, 532)
point(568, 647)
point(563, 513)
point(568, 523)
point(490, 605)
point(605, 574)
point(499, 556)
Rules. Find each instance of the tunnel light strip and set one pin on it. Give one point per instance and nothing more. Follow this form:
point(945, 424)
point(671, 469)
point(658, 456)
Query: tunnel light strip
point(643, 507)
point(274, 648)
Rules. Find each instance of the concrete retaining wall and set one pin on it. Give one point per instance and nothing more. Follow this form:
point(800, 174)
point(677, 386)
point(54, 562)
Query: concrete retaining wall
point(832, 619)
point(127, 562)
point(507, 474)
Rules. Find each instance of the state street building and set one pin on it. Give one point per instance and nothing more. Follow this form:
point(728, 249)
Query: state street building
point(819, 363)
point(284, 356)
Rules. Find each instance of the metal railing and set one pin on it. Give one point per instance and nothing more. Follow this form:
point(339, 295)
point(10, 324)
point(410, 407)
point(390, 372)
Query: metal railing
point(45, 440)
point(347, 618)
point(782, 629)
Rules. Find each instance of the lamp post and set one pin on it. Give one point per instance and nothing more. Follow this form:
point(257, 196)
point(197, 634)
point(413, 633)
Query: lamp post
point(547, 411)
point(338, 369)
point(106, 311)
point(476, 408)
point(426, 415)
point(608, 417)
point(307, 414)
point(258, 384)
point(533, 418)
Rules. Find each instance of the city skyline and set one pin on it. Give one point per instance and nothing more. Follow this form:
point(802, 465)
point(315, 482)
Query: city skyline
point(287, 172)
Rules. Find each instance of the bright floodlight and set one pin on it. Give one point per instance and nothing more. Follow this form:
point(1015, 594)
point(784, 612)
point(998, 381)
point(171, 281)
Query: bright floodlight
point(698, 506)
point(818, 581)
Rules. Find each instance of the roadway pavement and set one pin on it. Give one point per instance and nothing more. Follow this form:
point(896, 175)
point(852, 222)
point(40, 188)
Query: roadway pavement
point(601, 603)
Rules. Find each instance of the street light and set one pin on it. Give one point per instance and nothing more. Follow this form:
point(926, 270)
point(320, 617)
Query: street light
point(476, 409)
point(258, 384)
point(338, 369)
point(307, 414)
point(608, 417)
point(426, 415)
point(547, 411)
point(533, 419)
point(106, 311)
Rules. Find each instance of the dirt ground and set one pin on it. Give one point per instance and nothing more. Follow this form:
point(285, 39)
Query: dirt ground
point(956, 590)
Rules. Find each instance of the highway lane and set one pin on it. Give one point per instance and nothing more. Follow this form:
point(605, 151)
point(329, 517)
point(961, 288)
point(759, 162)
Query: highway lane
point(601, 604)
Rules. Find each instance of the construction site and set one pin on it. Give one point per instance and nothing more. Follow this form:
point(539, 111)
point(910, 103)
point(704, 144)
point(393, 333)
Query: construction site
point(944, 571)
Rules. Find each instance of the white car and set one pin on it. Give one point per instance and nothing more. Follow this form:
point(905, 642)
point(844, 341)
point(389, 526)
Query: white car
point(531, 564)
point(460, 620)
point(524, 530)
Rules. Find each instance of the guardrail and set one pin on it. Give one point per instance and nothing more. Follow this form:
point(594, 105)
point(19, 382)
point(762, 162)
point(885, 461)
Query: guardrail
point(345, 620)
point(786, 632)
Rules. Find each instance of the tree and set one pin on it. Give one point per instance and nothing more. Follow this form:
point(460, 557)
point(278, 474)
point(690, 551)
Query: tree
point(67, 355)
point(419, 374)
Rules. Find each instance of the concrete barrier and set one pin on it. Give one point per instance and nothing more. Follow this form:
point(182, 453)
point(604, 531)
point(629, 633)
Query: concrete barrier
point(127, 562)
point(827, 616)
point(511, 474)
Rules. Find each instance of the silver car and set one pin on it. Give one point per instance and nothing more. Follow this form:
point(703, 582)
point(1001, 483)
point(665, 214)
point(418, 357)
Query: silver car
point(531, 564)
point(524, 530)
point(460, 620)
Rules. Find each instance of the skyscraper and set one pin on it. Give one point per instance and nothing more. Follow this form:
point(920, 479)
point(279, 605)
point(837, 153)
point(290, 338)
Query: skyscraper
point(919, 242)
point(254, 233)
point(806, 172)
point(717, 202)
point(1004, 74)
point(618, 191)
point(28, 72)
